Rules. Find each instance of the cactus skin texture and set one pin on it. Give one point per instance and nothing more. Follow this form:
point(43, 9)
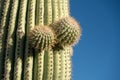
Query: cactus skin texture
point(36, 39)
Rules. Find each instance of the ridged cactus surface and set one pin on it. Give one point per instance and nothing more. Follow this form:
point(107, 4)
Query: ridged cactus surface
point(36, 39)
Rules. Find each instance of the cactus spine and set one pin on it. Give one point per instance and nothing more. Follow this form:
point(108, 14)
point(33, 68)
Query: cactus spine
point(36, 39)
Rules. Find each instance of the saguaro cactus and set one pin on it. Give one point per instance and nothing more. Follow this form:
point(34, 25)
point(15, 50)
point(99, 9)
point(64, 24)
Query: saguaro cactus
point(36, 39)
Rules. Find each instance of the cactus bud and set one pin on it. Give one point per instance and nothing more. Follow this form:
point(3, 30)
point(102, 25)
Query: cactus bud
point(67, 30)
point(41, 37)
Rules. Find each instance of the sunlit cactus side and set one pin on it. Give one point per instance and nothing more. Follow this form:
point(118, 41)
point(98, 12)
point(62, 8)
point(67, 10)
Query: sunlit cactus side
point(36, 39)
point(62, 63)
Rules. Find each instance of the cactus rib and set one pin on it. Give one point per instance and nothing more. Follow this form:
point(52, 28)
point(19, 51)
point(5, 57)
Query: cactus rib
point(48, 65)
point(69, 64)
point(40, 65)
point(66, 68)
point(47, 12)
point(57, 65)
point(60, 8)
point(3, 33)
point(55, 11)
point(66, 7)
point(39, 12)
point(20, 41)
point(10, 46)
point(28, 66)
point(62, 63)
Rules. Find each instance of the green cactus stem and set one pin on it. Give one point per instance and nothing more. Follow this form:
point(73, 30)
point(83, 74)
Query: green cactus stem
point(36, 39)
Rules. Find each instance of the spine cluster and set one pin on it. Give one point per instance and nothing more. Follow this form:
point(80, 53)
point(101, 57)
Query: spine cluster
point(36, 39)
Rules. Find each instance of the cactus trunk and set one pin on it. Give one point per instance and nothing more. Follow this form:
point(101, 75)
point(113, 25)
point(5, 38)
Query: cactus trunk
point(34, 45)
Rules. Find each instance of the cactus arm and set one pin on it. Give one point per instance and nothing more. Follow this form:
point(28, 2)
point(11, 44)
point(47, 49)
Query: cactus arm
point(28, 66)
point(20, 41)
point(3, 33)
point(10, 41)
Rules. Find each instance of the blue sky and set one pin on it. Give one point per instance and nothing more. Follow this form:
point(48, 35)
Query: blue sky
point(97, 55)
